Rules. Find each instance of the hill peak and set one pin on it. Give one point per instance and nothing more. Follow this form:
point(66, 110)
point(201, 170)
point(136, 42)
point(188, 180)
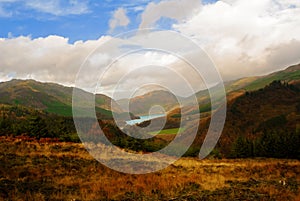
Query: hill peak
point(293, 68)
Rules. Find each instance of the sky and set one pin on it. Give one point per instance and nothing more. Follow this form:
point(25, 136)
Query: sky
point(49, 40)
point(72, 19)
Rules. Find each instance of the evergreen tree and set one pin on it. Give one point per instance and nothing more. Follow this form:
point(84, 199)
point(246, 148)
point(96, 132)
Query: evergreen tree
point(242, 148)
point(37, 127)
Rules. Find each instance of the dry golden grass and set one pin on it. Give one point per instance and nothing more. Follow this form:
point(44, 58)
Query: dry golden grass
point(66, 171)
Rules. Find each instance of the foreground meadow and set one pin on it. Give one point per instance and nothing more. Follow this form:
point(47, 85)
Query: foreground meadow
point(31, 170)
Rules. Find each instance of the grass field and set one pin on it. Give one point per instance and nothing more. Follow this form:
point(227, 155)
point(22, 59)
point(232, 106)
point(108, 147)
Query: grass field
point(285, 76)
point(172, 131)
point(65, 171)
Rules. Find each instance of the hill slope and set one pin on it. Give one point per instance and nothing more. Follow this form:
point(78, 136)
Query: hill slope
point(273, 109)
point(49, 97)
point(289, 75)
point(238, 87)
point(141, 105)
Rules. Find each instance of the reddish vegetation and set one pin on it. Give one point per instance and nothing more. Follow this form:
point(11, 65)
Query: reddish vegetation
point(65, 171)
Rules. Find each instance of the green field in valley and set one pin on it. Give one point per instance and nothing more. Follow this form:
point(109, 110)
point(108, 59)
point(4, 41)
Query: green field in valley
point(172, 131)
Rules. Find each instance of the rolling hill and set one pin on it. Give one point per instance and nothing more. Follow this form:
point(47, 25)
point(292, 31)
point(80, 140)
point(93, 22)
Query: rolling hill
point(50, 97)
point(238, 87)
point(290, 75)
point(141, 105)
point(257, 108)
point(272, 110)
point(261, 112)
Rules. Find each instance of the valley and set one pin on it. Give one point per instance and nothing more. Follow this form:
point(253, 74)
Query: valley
point(256, 158)
point(150, 100)
point(270, 110)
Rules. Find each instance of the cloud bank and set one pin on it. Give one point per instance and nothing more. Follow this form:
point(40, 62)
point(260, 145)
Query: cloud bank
point(50, 59)
point(242, 37)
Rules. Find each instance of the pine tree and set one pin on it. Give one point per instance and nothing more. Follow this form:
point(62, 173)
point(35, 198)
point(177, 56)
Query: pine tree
point(37, 127)
point(242, 148)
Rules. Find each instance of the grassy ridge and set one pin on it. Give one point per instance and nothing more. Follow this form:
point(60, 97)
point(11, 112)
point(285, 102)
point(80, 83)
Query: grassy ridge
point(52, 98)
point(262, 82)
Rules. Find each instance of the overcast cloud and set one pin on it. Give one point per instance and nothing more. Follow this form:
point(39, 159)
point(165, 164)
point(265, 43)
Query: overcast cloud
point(243, 36)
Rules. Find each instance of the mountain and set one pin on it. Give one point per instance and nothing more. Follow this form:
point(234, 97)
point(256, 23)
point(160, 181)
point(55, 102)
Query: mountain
point(234, 90)
point(57, 99)
point(289, 75)
point(261, 122)
point(263, 115)
point(50, 97)
point(273, 110)
point(141, 105)
point(274, 107)
point(238, 87)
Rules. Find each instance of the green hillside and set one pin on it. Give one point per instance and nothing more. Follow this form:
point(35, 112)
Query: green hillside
point(50, 97)
point(288, 75)
point(19, 120)
point(270, 114)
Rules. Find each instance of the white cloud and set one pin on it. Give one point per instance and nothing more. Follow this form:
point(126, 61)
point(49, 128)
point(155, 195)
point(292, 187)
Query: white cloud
point(243, 38)
point(50, 59)
point(119, 19)
point(174, 9)
point(138, 71)
point(137, 8)
point(53, 59)
point(240, 35)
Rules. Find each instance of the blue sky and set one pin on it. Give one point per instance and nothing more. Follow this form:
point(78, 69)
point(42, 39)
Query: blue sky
point(73, 19)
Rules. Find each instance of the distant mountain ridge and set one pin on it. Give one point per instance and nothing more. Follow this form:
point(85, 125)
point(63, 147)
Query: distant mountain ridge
point(290, 75)
point(260, 117)
point(55, 98)
point(141, 105)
